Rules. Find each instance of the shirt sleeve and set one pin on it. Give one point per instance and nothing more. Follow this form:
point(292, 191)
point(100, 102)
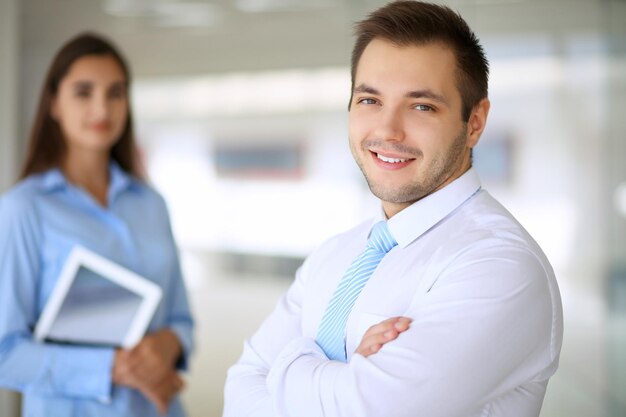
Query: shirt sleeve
point(486, 327)
point(245, 392)
point(26, 365)
point(179, 320)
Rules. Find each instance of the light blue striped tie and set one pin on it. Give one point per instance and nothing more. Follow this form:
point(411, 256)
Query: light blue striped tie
point(330, 335)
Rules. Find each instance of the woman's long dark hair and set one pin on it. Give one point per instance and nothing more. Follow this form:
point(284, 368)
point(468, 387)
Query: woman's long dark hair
point(46, 145)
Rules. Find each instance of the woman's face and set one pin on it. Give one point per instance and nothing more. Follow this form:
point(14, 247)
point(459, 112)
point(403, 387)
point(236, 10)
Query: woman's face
point(91, 105)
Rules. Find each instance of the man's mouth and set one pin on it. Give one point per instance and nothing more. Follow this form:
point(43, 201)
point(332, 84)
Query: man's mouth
point(390, 160)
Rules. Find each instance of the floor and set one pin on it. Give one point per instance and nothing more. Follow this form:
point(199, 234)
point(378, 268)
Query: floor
point(228, 308)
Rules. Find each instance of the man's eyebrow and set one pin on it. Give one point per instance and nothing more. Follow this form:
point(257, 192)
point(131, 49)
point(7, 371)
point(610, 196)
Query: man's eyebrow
point(427, 94)
point(364, 88)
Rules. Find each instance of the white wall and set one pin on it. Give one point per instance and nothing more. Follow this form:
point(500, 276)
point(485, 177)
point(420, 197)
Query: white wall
point(556, 124)
point(9, 41)
point(9, 37)
point(616, 131)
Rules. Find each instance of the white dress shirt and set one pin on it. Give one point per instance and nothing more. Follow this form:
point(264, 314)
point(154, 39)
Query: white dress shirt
point(485, 337)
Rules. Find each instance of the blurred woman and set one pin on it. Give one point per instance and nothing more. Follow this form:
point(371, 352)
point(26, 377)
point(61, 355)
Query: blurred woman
point(81, 184)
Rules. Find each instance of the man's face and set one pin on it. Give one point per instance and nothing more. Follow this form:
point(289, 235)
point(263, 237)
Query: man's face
point(405, 126)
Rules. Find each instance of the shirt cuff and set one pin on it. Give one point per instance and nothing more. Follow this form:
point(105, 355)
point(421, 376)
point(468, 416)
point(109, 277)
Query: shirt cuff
point(183, 333)
point(84, 372)
point(296, 375)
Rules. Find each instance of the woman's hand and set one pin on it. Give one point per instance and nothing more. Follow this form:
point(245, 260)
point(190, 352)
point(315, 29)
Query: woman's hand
point(379, 334)
point(154, 356)
point(150, 367)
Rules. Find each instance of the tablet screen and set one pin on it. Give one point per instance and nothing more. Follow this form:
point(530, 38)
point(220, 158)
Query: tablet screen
point(97, 302)
point(95, 310)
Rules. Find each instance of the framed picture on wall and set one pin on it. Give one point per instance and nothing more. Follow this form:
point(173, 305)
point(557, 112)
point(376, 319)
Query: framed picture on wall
point(259, 161)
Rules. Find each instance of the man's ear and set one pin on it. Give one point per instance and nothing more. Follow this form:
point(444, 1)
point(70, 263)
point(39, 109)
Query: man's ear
point(477, 122)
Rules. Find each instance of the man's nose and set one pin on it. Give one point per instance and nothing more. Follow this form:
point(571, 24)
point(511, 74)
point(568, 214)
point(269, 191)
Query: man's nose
point(390, 126)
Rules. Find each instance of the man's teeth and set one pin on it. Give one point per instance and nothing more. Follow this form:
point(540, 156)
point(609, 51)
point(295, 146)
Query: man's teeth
point(391, 160)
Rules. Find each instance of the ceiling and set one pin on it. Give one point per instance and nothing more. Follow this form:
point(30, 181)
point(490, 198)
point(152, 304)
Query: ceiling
point(178, 38)
point(170, 37)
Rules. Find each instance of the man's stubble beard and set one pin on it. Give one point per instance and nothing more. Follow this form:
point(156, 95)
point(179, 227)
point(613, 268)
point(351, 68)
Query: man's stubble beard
point(439, 171)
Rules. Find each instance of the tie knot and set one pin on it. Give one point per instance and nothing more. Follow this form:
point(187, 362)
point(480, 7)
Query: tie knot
point(380, 238)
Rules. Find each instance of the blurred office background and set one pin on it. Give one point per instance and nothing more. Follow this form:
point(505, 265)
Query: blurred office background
point(240, 107)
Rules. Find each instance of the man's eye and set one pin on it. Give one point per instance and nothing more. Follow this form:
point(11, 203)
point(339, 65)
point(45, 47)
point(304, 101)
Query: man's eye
point(423, 107)
point(367, 101)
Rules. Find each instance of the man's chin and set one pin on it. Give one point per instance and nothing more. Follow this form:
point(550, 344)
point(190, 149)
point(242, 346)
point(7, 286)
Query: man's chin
point(396, 196)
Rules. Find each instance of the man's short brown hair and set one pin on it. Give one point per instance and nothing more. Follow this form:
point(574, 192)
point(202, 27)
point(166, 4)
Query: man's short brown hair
point(406, 23)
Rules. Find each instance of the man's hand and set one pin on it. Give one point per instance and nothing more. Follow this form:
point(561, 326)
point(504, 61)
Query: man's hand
point(379, 334)
point(149, 368)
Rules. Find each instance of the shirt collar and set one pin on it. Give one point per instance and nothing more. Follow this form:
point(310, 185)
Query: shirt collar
point(120, 181)
point(53, 179)
point(419, 217)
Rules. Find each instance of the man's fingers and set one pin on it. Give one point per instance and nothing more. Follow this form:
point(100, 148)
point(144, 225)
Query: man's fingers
point(402, 324)
point(390, 320)
point(379, 334)
point(381, 338)
point(375, 348)
point(372, 343)
point(394, 323)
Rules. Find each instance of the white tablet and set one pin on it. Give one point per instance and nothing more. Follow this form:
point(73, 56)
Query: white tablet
point(98, 302)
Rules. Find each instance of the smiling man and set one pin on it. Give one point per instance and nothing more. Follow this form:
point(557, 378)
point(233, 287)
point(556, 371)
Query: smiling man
point(407, 131)
point(443, 306)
